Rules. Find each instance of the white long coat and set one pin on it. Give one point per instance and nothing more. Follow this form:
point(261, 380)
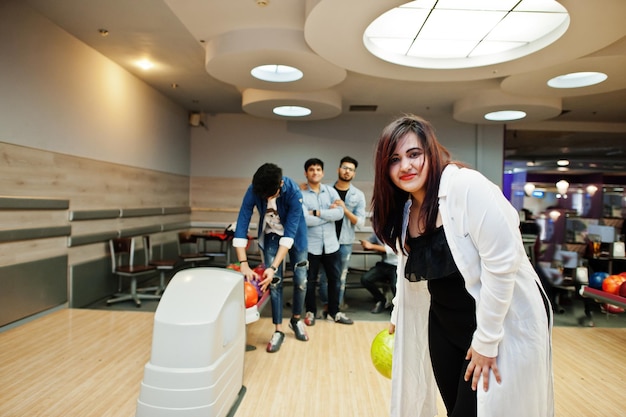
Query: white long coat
point(482, 229)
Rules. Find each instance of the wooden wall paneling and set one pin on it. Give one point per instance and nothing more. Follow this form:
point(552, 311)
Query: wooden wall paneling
point(217, 192)
point(81, 199)
point(30, 250)
point(17, 219)
point(31, 287)
point(176, 210)
point(88, 184)
point(139, 231)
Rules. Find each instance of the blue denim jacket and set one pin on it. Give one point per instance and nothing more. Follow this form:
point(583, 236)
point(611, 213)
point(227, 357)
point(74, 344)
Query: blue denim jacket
point(290, 210)
point(355, 203)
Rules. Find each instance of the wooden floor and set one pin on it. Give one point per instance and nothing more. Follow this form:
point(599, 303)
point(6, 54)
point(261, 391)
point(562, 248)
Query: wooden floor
point(90, 363)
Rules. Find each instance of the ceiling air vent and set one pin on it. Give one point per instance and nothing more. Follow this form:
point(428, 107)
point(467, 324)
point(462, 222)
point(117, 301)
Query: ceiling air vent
point(363, 107)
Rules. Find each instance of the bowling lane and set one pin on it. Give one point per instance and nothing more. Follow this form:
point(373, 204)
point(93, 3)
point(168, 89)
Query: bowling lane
point(75, 363)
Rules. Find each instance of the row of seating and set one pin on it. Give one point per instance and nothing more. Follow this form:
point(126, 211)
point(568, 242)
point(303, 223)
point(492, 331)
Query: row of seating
point(191, 253)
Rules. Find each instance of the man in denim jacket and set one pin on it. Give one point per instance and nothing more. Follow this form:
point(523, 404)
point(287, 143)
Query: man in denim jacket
point(282, 229)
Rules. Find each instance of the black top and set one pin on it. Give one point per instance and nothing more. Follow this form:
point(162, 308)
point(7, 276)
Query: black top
point(429, 257)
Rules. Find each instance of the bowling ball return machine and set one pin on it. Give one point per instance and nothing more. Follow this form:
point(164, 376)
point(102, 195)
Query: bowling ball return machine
point(198, 345)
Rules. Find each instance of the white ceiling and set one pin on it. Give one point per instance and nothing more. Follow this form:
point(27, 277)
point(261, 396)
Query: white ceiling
point(206, 46)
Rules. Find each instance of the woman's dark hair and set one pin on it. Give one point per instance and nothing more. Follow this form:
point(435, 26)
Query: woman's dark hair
point(266, 180)
point(388, 200)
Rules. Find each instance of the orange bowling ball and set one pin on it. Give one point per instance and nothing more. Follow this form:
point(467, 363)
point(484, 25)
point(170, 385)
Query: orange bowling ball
point(612, 283)
point(251, 294)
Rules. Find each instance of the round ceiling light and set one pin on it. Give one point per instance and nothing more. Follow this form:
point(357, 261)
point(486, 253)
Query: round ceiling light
point(311, 105)
point(277, 73)
point(495, 106)
point(291, 111)
point(577, 80)
point(505, 115)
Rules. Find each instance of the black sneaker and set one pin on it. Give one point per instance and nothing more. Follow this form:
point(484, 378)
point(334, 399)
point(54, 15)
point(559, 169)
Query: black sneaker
point(275, 342)
point(378, 308)
point(298, 328)
point(342, 318)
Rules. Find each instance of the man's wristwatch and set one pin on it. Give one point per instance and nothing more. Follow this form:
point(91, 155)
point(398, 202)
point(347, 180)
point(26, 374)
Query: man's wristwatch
point(273, 267)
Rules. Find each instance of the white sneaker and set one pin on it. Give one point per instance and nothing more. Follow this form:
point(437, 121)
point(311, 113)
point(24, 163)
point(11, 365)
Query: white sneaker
point(309, 318)
point(342, 318)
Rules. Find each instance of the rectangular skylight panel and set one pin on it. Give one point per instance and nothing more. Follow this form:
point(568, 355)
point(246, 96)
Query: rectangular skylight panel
point(394, 45)
point(525, 27)
point(424, 48)
point(494, 47)
point(462, 25)
point(500, 5)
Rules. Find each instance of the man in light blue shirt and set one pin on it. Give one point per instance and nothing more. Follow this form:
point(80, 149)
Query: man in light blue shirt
point(352, 200)
point(321, 212)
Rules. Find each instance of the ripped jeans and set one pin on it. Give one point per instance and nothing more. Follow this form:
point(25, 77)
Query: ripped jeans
point(300, 264)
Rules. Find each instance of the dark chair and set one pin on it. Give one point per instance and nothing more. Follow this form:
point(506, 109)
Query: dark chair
point(123, 266)
point(188, 250)
point(164, 266)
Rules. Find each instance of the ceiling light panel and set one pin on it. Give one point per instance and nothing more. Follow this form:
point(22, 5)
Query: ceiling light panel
point(577, 79)
point(460, 24)
point(276, 73)
point(461, 34)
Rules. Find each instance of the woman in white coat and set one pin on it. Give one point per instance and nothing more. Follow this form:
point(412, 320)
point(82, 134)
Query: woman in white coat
point(470, 317)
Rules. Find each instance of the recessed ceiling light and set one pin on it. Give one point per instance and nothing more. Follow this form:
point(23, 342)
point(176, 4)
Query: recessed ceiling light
point(562, 162)
point(145, 64)
point(463, 34)
point(277, 73)
point(505, 115)
point(292, 111)
point(577, 79)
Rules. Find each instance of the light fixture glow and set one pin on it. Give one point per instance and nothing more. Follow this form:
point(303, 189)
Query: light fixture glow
point(529, 187)
point(292, 111)
point(591, 190)
point(554, 215)
point(577, 80)
point(562, 162)
point(562, 187)
point(277, 73)
point(505, 115)
point(145, 64)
